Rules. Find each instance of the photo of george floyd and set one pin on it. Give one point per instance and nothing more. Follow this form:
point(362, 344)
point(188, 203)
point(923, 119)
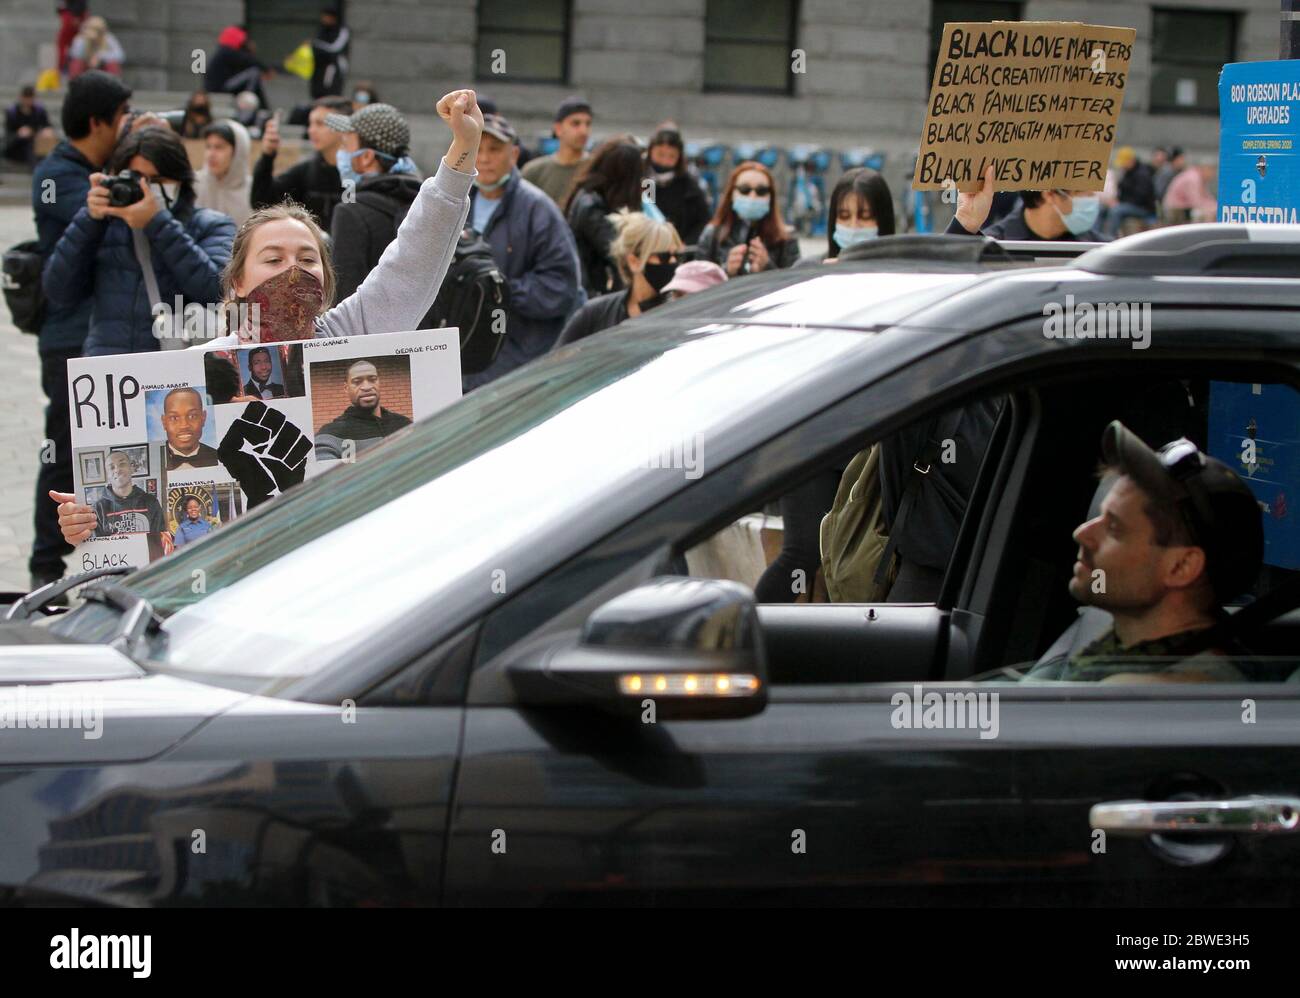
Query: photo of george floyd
point(357, 402)
point(179, 419)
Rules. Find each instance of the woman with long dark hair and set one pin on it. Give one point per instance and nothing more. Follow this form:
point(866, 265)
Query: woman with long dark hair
point(746, 234)
point(861, 209)
point(610, 182)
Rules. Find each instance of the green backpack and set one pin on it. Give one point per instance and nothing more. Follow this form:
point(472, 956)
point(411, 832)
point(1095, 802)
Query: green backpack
point(853, 541)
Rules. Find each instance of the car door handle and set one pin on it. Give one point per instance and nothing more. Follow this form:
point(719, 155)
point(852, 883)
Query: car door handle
point(1261, 815)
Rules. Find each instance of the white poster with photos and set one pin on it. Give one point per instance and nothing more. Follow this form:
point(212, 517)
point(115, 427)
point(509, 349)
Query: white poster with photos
point(171, 446)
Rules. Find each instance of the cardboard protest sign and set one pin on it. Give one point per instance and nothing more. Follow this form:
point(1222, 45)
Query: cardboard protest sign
point(169, 446)
point(1036, 100)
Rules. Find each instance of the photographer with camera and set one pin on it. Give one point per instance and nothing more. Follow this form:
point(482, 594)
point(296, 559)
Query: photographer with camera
point(138, 241)
point(94, 107)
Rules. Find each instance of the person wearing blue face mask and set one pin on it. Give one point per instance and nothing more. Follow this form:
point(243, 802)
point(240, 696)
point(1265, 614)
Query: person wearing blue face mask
point(861, 209)
point(746, 234)
point(380, 182)
point(1068, 216)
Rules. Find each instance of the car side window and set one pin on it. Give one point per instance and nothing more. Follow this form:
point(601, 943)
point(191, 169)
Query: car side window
point(879, 525)
point(1097, 586)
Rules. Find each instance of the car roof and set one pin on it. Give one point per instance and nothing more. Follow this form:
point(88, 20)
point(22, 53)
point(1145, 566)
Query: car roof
point(925, 281)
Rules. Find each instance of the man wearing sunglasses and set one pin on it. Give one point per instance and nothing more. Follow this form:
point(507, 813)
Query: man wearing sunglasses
point(1178, 535)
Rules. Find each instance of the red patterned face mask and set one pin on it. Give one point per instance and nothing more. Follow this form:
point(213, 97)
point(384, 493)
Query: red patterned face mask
point(283, 307)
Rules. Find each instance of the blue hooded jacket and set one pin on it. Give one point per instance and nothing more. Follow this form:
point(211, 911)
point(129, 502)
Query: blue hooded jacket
point(95, 260)
point(54, 205)
point(534, 247)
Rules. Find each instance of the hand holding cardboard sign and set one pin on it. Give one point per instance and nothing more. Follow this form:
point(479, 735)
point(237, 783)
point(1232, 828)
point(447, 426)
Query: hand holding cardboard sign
point(76, 520)
point(974, 208)
point(264, 452)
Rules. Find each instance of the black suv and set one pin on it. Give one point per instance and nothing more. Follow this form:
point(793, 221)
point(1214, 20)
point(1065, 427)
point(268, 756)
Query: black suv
point(483, 664)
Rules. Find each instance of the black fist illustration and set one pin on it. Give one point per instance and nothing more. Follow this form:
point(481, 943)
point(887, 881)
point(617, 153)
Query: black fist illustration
point(264, 453)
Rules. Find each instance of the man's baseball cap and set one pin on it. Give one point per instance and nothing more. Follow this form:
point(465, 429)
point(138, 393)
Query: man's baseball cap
point(571, 105)
point(1219, 508)
point(497, 126)
point(695, 275)
point(380, 127)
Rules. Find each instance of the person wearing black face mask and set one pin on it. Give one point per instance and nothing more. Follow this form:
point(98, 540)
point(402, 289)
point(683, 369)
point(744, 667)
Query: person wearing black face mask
point(646, 253)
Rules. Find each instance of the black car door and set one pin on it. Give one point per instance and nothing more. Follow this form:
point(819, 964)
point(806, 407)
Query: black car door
point(827, 795)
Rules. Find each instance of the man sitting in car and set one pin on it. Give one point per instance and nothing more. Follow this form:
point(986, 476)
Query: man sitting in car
point(1178, 535)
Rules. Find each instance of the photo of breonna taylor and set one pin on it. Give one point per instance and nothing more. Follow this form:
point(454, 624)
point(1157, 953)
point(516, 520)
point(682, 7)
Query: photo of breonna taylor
point(366, 420)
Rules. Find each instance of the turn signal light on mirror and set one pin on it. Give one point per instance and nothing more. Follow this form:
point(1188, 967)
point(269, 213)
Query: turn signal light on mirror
point(702, 684)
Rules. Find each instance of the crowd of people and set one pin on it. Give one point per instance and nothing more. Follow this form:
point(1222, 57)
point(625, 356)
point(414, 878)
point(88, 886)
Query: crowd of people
point(583, 239)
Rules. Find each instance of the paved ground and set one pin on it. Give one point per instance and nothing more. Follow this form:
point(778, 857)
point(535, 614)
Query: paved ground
point(22, 418)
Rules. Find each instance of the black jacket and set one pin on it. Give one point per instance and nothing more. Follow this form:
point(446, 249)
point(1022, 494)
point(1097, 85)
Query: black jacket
point(329, 51)
point(683, 203)
point(274, 387)
point(362, 229)
point(715, 248)
point(1138, 187)
point(597, 315)
point(205, 457)
point(1013, 227)
point(227, 62)
point(593, 232)
point(311, 182)
point(356, 423)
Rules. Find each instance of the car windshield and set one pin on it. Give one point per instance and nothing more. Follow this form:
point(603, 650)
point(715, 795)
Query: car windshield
point(478, 495)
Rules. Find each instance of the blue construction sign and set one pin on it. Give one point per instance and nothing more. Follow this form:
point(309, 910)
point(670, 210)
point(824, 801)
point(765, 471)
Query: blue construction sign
point(1259, 183)
point(1259, 422)
point(1259, 158)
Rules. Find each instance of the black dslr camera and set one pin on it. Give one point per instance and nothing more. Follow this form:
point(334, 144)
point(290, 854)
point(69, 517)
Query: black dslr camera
point(123, 188)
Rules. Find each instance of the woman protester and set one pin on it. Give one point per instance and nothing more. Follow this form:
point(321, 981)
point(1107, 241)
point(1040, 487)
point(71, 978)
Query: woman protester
point(609, 183)
point(103, 253)
point(224, 183)
point(861, 209)
point(645, 253)
point(746, 234)
point(280, 261)
point(678, 193)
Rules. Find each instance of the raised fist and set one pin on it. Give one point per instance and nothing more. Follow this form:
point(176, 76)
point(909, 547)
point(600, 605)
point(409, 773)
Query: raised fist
point(264, 453)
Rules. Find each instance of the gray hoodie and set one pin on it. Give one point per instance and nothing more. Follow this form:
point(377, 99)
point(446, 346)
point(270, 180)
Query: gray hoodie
point(398, 293)
point(232, 193)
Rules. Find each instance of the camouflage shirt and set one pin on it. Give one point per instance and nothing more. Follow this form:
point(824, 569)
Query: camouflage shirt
point(1184, 652)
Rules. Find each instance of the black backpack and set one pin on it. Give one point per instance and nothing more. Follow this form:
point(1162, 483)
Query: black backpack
point(475, 298)
point(21, 280)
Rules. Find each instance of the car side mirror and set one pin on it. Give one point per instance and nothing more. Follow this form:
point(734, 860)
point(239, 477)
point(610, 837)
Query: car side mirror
point(692, 646)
